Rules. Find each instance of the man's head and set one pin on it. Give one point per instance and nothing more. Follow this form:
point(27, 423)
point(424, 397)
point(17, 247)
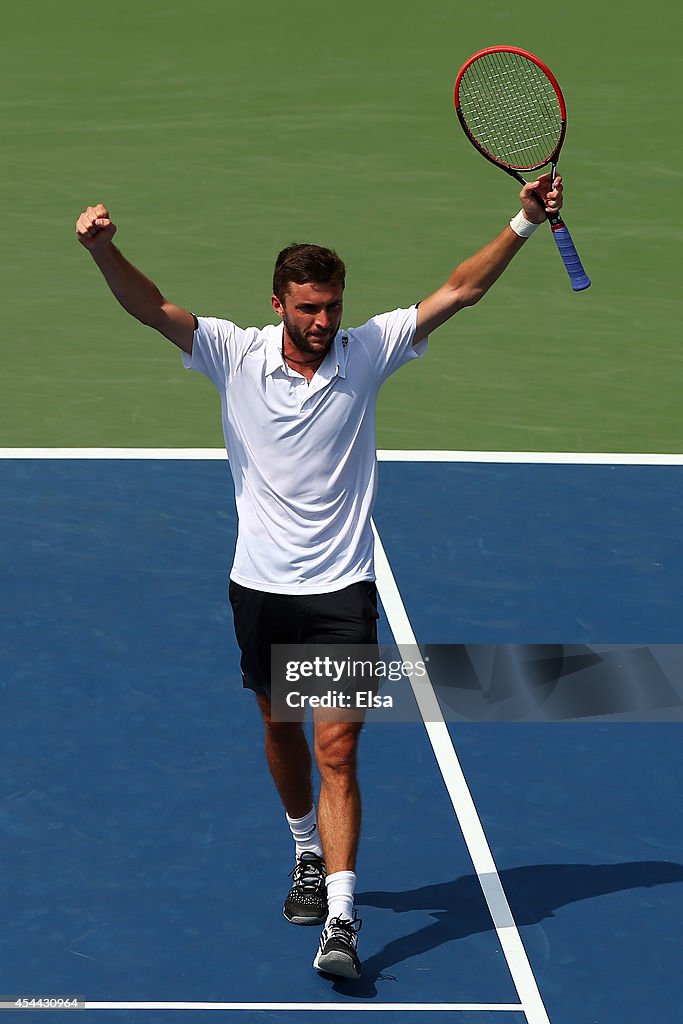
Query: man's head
point(308, 293)
point(302, 263)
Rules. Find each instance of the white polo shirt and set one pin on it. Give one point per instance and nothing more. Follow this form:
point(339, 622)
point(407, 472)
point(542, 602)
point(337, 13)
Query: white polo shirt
point(303, 455)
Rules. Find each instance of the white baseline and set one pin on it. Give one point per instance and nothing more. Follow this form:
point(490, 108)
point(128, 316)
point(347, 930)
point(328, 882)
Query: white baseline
point(384, 455)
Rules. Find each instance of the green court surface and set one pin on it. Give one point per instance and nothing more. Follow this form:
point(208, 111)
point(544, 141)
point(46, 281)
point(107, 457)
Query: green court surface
point(217, 132)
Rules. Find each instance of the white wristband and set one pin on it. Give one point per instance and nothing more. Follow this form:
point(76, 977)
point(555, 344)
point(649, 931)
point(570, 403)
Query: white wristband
point(521, 226)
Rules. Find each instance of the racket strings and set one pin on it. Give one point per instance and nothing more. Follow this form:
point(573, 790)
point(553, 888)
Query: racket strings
point(511, 109)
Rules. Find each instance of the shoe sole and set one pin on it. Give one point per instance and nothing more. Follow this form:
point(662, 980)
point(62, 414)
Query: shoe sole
point(338, 964)
point(305, 920)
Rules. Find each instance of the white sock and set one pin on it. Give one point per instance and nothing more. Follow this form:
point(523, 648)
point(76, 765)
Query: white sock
point(340, 889)
point(305, 833)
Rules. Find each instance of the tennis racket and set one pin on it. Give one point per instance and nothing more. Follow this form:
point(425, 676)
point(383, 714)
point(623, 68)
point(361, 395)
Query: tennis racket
point(512, 110)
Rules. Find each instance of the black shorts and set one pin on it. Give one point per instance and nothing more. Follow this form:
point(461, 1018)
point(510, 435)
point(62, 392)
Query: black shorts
point(347, 616)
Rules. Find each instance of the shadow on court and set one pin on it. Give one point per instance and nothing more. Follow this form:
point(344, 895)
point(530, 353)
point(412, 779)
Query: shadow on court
point(534, 893)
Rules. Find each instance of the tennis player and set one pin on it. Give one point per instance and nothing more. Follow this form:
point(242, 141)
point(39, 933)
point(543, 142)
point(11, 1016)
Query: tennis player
point(298, 407)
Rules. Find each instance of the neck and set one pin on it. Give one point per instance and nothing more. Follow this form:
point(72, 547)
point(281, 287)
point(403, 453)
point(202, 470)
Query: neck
point(301, 359)
point(304, 362)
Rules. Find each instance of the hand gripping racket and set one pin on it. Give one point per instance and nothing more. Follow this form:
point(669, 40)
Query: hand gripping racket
point(512, 110)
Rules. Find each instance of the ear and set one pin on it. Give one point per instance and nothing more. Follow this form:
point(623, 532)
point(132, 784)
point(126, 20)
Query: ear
point(277, 306)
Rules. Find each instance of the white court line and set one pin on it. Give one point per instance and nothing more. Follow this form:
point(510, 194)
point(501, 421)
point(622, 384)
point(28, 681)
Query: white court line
point(325, 1007)
point(537, 458)
point(384, 455)
point(188, 454)
point(461, 798)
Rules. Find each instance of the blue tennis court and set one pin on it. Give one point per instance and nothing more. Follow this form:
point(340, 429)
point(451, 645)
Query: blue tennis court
point(145, 855)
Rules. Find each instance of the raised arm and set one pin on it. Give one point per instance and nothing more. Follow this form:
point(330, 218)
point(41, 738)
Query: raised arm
point(473, 278)
point(136, 293)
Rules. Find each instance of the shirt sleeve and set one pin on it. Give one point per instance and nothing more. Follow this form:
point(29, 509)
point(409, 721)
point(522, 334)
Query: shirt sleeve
point(390, 340)
point(216, 345)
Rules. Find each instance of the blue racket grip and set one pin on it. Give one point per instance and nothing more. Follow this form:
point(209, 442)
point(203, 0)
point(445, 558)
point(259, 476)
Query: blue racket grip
point(570, 257)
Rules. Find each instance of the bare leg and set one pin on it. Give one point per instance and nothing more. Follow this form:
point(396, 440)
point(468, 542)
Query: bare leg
point(289, 759)
point(339, 807)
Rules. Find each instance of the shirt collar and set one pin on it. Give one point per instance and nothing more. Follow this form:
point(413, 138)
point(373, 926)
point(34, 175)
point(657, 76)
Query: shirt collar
point(341, 351)
point(334, 364)
point(274, 358)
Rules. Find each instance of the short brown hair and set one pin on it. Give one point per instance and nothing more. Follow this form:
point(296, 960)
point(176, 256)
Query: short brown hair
point(304, 263)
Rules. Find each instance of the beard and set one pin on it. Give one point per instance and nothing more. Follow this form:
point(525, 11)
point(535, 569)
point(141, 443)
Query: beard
point(311, 345)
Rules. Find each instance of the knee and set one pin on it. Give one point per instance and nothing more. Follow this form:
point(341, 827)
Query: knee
point(336, 752)
point(284, 733)
point(276, 731)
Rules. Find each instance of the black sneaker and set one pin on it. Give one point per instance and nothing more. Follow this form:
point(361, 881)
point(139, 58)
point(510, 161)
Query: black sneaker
point(307, 899)
point(337, 951)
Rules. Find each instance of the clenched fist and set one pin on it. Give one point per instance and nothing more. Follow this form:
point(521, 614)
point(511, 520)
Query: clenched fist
point(94, 229)
point(546, 189)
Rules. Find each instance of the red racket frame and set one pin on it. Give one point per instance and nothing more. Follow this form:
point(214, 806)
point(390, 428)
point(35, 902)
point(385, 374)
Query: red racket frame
point(552, 158)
